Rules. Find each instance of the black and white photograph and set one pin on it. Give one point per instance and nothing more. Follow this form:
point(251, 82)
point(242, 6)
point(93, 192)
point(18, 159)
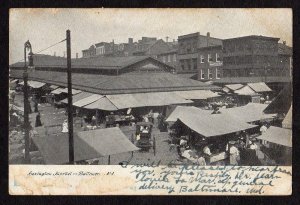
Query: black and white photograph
point(152, 88)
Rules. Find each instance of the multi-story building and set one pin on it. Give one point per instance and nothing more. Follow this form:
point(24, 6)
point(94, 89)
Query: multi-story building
point(150, 47)
point(169, 57)
point(188, 46)
point(254, 56)
point(210, 63)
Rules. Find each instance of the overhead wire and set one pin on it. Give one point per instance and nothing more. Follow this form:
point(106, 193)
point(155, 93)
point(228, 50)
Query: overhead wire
point(44, 49)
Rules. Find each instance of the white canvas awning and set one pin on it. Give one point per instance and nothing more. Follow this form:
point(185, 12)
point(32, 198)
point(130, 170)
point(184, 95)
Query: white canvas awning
point(122, 101)
point(277, 135)
point(102, 104)
point(33, 84)
point(87, 100)
point(196, 94)
point(246, 90)
point(259, 87)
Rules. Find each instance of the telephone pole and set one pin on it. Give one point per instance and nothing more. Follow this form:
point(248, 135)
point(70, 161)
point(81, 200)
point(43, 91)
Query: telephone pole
point(70, 103)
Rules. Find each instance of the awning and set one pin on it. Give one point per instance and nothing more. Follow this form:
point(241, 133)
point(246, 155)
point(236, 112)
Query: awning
point(17, 108)
point(33, 84)
point(185, 110)
point(246, 90)
point(57, 91)
point(77, 97)
point(209, 125)
point(102, 104)
point(277, 135)
point(259, 87)
point(287, 121)
point(248, 113)
point(74, 91)
point(146, 99)
point(87, 145)
point(234, 86)
point(196, 94)
point(87, 100)
point(53, 87)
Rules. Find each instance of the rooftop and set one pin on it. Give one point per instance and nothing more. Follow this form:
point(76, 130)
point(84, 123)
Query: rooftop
point(126, 83)
point(253, 37)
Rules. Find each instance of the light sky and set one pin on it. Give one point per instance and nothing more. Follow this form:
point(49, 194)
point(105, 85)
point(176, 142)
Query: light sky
point(44, 27)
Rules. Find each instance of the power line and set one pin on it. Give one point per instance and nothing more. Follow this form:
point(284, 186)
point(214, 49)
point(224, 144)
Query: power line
point(45, 48)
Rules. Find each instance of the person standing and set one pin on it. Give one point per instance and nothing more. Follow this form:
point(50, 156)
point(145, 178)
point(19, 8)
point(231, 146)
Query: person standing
point(38, 122)
point(234, 154)
point(36, 109)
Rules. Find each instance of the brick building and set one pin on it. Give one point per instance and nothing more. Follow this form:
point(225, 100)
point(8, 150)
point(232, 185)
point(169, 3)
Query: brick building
point(169, 58)
point(188, 46)
point(210, 63)
point(254, 56)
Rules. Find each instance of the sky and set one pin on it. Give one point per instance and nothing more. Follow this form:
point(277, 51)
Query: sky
point(45, 27)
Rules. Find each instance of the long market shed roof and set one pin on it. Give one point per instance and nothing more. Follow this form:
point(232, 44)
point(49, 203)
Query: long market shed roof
point(121, 84)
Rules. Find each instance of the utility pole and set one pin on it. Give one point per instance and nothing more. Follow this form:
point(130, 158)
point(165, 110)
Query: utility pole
point(70, 103)
point(27, 45)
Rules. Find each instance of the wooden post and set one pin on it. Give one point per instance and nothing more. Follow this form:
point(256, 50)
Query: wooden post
point(26, 109)
point(70, 104)
point(108, 159)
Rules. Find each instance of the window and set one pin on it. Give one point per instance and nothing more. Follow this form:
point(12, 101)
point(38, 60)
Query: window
point(217, 74)
point(164, 59)
point(209, 74)
point(189, 64)
point(218, 59)
point(201, 59)
point(195, 63)
point(182, 64)
point(209, 58)
point(169, 58)
point(174, 57)
point(201, 74)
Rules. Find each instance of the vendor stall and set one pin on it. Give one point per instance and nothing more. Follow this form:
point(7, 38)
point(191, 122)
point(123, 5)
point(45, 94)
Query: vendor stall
point(87, 145)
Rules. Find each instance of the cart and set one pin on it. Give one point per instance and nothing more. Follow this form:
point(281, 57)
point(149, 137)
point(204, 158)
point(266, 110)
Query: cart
point(143, 136)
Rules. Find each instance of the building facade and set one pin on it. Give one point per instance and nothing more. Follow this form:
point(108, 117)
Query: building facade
point(169, 58)
point(188, 46)
point(210, 63)
point(254, 56)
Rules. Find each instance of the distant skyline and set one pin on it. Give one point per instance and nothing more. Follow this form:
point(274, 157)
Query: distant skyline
point(44, 27)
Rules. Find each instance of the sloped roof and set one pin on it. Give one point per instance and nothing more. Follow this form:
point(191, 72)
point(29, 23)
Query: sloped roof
point(287, 121)
point(92, 62)
point(209, 125)
point(229, 80)
point(259, 87)
point(126, 83)
point(277, 135)
point(282, 102)
point(234, 86)
point(87, 145)
point(246, 90)
point(248, 113)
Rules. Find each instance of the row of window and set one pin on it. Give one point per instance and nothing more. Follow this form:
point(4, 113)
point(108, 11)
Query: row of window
point(209, 58)
point(210, 74)
point(189, 64)
point(169, 58)
point(255, 72)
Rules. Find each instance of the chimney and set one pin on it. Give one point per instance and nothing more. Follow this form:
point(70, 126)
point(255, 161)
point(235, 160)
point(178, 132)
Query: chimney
point(54, 54)
point(130, 40)
point(208, 36)
point(113, 46)
point(284, 42)
point(167, 39)
point(76, 55)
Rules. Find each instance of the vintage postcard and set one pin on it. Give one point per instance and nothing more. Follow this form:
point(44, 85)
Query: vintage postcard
point(150, 101)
